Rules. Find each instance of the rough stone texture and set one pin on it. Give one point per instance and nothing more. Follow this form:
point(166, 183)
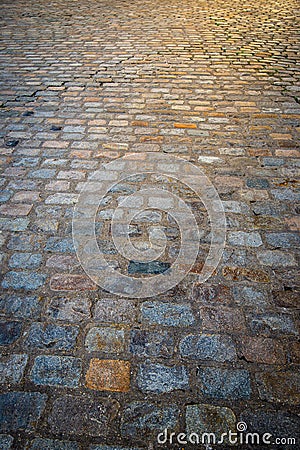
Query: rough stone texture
point(205, 418)
point(83, 84)
point(279, 387)
point(158, 378)
point(6, 441)
point(52, 444)
point(21, 410)
point(167, 314)
point(142, 419)
point(262, 350)
point(50, 336)
point(115, 311)
point(56, 371)
point(74, 310)
point(147, 343)
point(224, 383)
point(12, 368)
point(82, 415)
point(208, 347)
point(108, 375)
point(105, 340)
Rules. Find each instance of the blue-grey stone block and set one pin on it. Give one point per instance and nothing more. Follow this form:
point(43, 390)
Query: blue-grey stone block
point(12, 368)
point(158, 378)
point(142, 419)
point(208, 347)
point(167, 314)
point(56, 371)
point(50, 336)
point(151, 343)
point(10, 331)
point(25, 260)
point(152, 267)
point(6, 441)
point(52, 444)
point(28, 281)
point(55, 244)
point(224, 383)
point(21, 307)
point(21, 410)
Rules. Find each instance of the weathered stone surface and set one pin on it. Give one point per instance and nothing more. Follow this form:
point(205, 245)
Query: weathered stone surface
point(52, 444)
point(72, 283)
point(250, 296)
point(246, 239)
point(25, 260)
point(208, 347)
point(82, 415)
point(147, 343)
point(204, 418)
point(276, 258)
point(74, 310)
point(12, 368)
point(6, 441)
point(167, 314)
point(277, 423)
point(108, 375)
point(223, 320)
point(262, 350)
point(211, 294)
point(56, 371)
point(59, 245)
point(10, 331)
point(224, 383)
point(21, 410)
point(50, 336)
point(142, 419)
point(21, 306)
point(154, 267)
point(283, 240)
point(270, 323)
point(282, 387)
point(115, 311)
point(105, 339)
point(159, 378)
point(29, 281)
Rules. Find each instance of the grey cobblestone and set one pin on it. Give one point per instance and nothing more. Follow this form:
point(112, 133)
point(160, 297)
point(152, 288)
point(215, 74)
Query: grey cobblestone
point(50, 336)
point(56, 371)
point(21, 410)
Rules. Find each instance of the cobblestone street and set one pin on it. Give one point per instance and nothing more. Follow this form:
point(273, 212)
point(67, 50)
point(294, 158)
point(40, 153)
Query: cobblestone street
point(84, 83)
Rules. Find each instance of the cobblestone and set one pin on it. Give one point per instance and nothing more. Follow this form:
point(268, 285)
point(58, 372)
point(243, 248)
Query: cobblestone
point(224, 383)
point(10, 331)
point(52, 444)
point(167, 314)
point(21, 307)
point(208, 347)
point(46, 336)
point(12, 368)
point(82, 415)
point(158, 378)
point(141, 419)
point(205, 418)
point(56, 371)
point(21, 410)
point(83, 84)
